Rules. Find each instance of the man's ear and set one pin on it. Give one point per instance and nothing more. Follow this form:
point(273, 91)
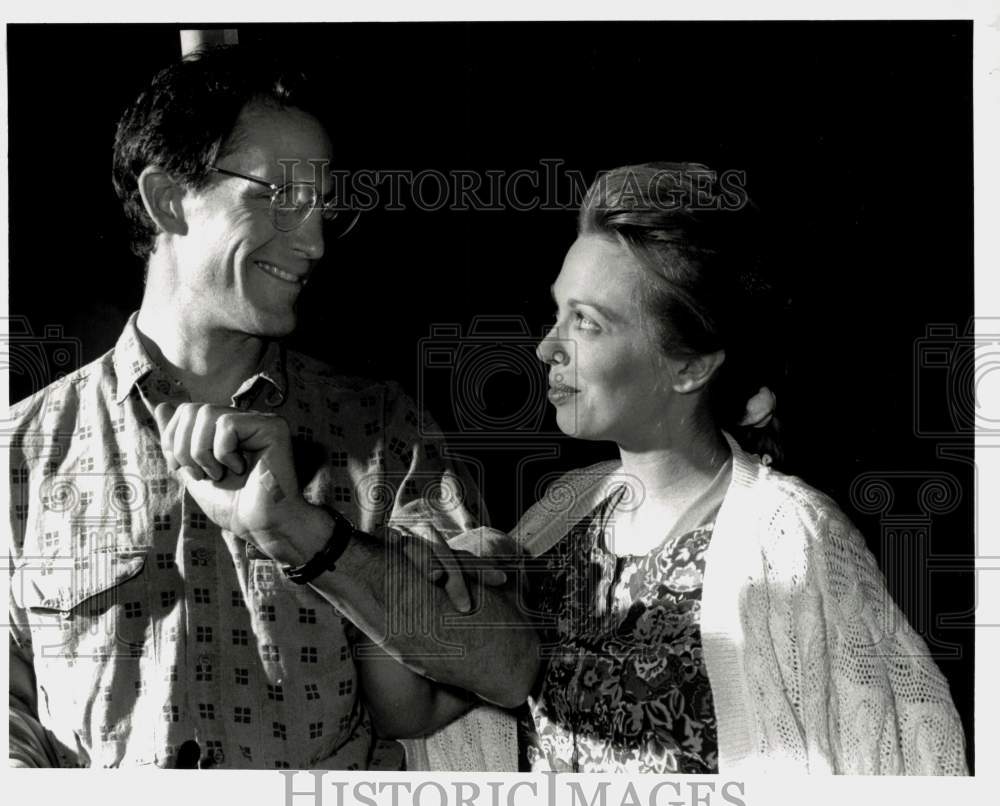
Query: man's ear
point(161, 196)
point(691, 373)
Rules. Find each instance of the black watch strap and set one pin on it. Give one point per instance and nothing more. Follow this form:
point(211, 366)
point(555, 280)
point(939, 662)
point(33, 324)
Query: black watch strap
point(326, 558)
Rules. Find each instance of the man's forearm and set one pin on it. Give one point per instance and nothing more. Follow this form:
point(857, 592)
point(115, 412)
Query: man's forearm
point(492, 651)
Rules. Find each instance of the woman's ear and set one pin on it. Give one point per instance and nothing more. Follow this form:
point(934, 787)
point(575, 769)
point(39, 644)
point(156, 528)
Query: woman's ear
point(161, 196)
point(691, 373)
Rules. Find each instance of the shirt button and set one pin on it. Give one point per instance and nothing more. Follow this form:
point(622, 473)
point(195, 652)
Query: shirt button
point(201, 555)
point(204, 660)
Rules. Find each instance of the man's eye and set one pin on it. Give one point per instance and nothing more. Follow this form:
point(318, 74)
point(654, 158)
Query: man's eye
point(585, 322)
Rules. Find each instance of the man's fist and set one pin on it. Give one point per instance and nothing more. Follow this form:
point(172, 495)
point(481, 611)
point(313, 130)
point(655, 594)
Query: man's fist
point(238, 466)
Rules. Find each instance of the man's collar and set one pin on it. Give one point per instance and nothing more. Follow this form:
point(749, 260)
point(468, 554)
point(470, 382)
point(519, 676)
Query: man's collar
point(132, 364)
point(131, 361)
point(272, 370)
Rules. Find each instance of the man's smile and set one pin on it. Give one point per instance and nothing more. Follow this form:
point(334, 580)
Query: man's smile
point(280, 274)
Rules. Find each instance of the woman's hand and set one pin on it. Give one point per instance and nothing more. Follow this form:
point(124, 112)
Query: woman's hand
point(455, 564)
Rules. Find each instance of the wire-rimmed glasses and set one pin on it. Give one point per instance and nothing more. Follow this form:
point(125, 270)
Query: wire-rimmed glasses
point(293, 202)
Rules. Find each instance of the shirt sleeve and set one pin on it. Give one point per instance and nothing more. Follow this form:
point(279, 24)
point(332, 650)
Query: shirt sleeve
point(29, 745)
point(29, 742)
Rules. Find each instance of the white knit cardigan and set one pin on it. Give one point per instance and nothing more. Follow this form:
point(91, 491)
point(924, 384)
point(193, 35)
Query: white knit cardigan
point(813, 668)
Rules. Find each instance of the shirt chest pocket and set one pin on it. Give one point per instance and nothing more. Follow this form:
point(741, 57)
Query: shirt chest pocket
point(90, 608)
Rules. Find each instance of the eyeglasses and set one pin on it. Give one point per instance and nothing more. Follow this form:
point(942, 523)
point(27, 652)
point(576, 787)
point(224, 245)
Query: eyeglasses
point(293, 202)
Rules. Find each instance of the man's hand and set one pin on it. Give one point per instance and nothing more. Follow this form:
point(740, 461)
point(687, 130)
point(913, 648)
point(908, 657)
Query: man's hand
point(238, 466)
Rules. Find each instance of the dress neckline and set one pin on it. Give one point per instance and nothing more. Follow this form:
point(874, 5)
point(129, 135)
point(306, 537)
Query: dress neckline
point(700, 513)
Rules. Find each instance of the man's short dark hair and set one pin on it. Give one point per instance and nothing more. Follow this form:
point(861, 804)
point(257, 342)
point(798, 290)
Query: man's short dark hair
point(184, 121)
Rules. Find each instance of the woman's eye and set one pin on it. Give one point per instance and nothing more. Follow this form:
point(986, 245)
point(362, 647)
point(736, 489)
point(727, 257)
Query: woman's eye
point(585, 322)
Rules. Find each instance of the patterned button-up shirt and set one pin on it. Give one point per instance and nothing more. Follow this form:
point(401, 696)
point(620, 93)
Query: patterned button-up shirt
point(153, 636)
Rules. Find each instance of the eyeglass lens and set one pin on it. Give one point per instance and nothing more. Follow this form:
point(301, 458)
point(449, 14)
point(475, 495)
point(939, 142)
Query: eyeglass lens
point(293, 203)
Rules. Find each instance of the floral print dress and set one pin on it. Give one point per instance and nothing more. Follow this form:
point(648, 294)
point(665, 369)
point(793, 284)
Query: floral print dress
point(624, 686)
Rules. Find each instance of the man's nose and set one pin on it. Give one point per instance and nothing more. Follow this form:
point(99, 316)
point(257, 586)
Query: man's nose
point(307, 238)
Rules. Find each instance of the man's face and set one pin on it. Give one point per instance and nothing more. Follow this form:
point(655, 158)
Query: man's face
point(234, 270)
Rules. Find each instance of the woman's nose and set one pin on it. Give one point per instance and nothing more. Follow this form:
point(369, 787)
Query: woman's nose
point(550, 349)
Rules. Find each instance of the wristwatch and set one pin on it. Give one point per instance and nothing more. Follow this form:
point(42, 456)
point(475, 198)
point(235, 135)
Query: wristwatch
point(326, 558)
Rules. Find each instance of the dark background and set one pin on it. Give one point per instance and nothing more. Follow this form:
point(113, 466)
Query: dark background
point(857, 143)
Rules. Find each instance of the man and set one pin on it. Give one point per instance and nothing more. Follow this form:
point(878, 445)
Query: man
point(177, 598)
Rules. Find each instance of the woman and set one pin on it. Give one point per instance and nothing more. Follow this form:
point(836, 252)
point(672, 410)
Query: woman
point(699, 611)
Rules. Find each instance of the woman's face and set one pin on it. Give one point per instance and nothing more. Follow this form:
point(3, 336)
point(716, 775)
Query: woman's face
point(607, 378)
